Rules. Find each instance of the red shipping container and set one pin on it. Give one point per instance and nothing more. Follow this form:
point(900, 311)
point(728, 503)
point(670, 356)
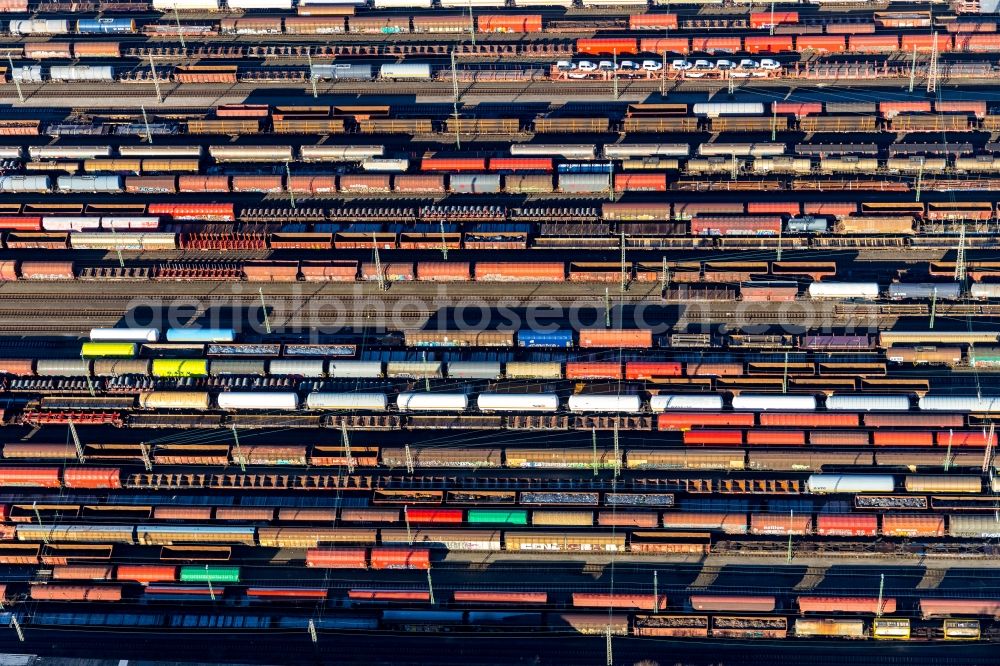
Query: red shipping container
point(651, 369)
point(92, 477)
point(873, 43)
point(892, 109)
point(774, 207)
point(209, 211)
point(847, 526)
point(340, 558)
point(977, 43)
point(517, 164)
point(777, 437)
point(926, 43)
point(717, 602)
point(760, 20)
point(643, 602)
point(146, 573)
point(29, 477)
point(616, 337)
point(509, 23)
point(780, 524)
point(652, 22)
point(821, 43)
point(388, 595)
point(469, 596)
point(203, 184)
point(640, 182)
point(400, 558)
point(444, 271)
point(902, 438)
point(668, 45)
point(834, 208)
point(975, 438)
point(769, 44)
point(20, 223)
point(912, 526)
point(815, 420)
point(511, 271)
point(452, 164)
point(713, 437)
point(312, 184)
point(716, 44)
point(872, 605)
point(607, 46)
point(838, 438)
point(914, 420)
point(450, 516)
point(685, 420)
point(415, 183)
point(583, 370)
point(797, 108)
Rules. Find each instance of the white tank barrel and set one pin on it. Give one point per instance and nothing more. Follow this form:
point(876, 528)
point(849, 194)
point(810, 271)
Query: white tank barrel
point(850, 483)
point(763, 402)
point(124, 334)
point(518, 402)
point(432, 402)
point(269, 400)
point(370, 402)
point(605, 403)
point(660, 403)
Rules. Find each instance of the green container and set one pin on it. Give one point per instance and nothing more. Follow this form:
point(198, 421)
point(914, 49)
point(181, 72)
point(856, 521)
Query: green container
point(501, 516)
point(210, 574)
point(109, 350)
point(178, 367)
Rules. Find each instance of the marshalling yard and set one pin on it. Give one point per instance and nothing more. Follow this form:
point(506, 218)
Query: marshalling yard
point(500, 331)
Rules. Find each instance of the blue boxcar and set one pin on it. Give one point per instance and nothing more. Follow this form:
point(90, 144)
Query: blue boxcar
point(562, 339)
point(200, 335)
point(105, 25)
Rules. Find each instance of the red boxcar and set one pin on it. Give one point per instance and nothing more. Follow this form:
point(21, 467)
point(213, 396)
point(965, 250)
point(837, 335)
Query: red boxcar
point(207, 211)
point(947, 607)
point(685, 420)
point(607, 46)
point(584, 370)
point(963, 438)
point(650, 369)
point(717, 602)
point(146, 573)
point(914, 420)
point(774, 207)
point(400, 558)
point(450, 516)
point(616, 337)
point(661, 45)
point(339, 558)
point(713, 437)
point(640, 182)
point(29, 477)
point(797, 108)
point(92, 477)
point(388, 595)
point(509, 23)
point(760, 20)
point(453, 164)
point(776, 437)
point(20, 223)
point(823, 420)
point(521, 164)
point(902, 438)
point(282, 593)
point(821, 43)
point(652, 22)
point(847, 525)
point(769, 44)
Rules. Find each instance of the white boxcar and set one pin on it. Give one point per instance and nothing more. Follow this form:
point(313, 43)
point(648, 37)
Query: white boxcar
point(27, 74)
point(68, 152)
point(270, 400)
point(124, 334)
point(175, 400)
point(371, 402)
point(544, 3)
point(605, 403)
point(661, 403)
point(141, 222)
point(765, 401)
point(716, 109)
point(296, 367)
point(474, 370)
point(959, 403)
point(405, 71)
point(822, 484)
point(868, 403)
point(402, 4)
point(187, 5)
point(843, 290)
point(985, 290)
point(354, 369)
point(463, 4)
point(385, 165)
point(415, 369)
point(160, 151)
point(432, 402)
point(518, 402)
point(270, 5)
